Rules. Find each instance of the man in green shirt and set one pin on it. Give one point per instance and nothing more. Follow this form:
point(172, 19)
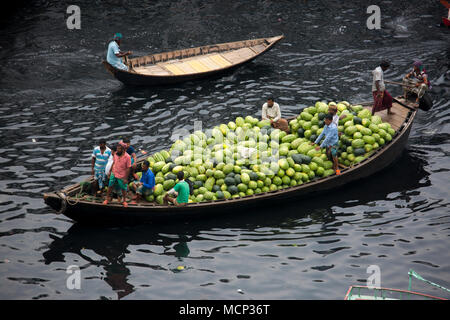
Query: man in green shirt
point(181, 189)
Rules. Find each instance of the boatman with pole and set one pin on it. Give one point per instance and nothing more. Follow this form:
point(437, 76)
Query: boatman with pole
point(114, 54)
point(381, 98)
point(416, 81)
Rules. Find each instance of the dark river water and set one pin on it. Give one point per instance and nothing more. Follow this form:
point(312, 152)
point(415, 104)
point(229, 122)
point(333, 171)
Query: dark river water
point(56, 100)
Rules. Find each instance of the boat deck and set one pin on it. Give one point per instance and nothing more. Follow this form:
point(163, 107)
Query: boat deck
point(397, 119)
point(200, 63)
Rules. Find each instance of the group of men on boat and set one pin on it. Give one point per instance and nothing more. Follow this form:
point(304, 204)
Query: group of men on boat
point(416, 82)
point(115, 167)
point(118, 166)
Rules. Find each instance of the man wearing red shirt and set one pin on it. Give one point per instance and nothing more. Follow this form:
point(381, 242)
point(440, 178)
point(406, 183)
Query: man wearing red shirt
point(119, 173)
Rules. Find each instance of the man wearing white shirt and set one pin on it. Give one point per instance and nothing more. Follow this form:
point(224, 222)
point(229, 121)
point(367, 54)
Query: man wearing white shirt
point(382, 99)
point(271, 111)
point(114, 54)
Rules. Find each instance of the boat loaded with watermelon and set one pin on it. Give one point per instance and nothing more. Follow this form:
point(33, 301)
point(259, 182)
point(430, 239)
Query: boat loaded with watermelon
point(233, 168)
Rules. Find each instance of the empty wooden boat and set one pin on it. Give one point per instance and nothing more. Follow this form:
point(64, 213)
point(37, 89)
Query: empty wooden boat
point(190, 64)
point(92, 211)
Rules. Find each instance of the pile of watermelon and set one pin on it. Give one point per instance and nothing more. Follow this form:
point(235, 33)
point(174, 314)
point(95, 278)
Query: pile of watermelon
point(248, 156)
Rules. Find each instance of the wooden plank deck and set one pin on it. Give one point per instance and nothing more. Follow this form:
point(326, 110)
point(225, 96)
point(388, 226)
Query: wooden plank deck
point(152, 70)
point(200, 63)
point(237, 56)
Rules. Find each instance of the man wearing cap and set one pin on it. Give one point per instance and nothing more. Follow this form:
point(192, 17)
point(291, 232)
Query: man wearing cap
point(382, 99)
point(419, 82)
point(114, 54)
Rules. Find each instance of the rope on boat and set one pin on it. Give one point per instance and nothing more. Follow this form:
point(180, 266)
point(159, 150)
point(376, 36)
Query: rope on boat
point(414, 274)
point(66, 200)
point(63, 198)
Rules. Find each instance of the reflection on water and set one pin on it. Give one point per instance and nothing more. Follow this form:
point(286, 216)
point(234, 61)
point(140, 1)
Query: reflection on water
point(56, 100)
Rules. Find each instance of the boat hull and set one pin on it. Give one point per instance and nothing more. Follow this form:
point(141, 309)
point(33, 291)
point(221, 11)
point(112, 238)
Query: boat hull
point(138, 80)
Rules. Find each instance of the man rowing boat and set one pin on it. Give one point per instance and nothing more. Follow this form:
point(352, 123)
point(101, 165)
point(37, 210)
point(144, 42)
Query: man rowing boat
point(114, 55)
point(419, 82)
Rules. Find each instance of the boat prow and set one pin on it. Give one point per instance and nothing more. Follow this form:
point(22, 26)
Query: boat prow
point(192, 63)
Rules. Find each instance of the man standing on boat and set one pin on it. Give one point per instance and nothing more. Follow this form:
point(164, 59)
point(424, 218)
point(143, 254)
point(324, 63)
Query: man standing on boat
point(381, 98)
point(100, 157)
point(114, 54)
point(119, 173)
point(271, 111)
point(419, 82)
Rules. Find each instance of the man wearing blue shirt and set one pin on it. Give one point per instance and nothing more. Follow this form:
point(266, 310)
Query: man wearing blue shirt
point(100, 156)
point(146, 185)
point(114, 54)
point(330, 131)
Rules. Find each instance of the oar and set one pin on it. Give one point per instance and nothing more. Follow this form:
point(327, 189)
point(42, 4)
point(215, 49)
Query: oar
point(400, 84)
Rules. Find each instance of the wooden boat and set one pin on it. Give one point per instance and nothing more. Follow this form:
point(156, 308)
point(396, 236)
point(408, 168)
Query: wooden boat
point(192, 63)
point(366, 293)
point(94, 212)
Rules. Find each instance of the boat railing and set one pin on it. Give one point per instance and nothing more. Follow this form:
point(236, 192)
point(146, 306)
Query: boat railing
point(414, 274)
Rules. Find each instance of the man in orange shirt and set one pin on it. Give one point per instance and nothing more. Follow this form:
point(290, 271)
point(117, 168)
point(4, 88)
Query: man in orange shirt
point(119, 173)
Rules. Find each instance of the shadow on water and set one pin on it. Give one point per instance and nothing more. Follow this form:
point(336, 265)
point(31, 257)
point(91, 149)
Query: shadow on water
point(406, 175)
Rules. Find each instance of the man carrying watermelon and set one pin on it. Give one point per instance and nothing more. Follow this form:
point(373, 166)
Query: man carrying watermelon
point(330, 131)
